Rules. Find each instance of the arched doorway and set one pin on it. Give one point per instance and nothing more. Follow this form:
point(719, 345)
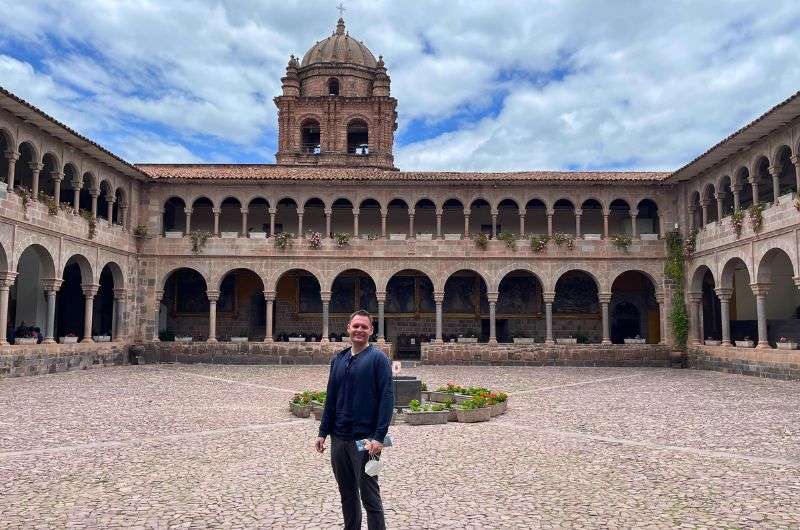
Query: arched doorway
point(465, 308)
point(520, 307)
point(71, 300)
point(184, 307)
point(298, 306)
point(410, 312)
point(576, 308)
point(634, 311)
point(351, 290)
point(27, 306)
point(776, 273)
point(241, 308)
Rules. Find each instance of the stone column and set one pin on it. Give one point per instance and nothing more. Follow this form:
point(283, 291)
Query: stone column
point(438, 298)
point(326, 302)
point(245, 232)
point(550, 222)
point(272, 212)
point(720, 196)
point(216, 212)
point(662, 318)
point(89, 292)
point(724, 295)
point(492, 320)
point(692, 211)
point(76, 194)
point(300, 214)
point(110, 209)
point(383, 224)
point(123, 215)
point(578, 215)
point(57, 177)
point(796, 161)
point(411, 233)
point(760, 290)
point(213, 296)
point(605, 226)
point(735, 190)
point(6, 281)
point(695, 313)
point(188, 221)
point(439, 224)
point(94, 194)
point(36, 167)
point(51, 286)
point(120, 300)
point(754, 184)
point(494, 224)
point(548, 316)
point(704, 206)
point(269, 299)
point(328, 213)
point(634, 223)
point(466, 224)
point(11, 157)
point(775, 172)
point(356, 212)
point(522, 225)
point(605, 299)
point(381, 295)
point(156, 324)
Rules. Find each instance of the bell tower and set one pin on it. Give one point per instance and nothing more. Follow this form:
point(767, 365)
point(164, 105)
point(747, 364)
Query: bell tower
point(336, 108)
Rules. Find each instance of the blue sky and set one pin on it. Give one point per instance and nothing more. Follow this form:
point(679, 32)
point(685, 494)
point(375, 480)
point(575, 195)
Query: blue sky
point(488, 86)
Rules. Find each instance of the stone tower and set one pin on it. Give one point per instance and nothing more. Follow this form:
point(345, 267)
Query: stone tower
point(335, 109)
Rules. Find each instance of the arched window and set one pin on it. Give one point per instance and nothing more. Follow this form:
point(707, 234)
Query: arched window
point(310, 137)
point(333, 87)
point(357, 138)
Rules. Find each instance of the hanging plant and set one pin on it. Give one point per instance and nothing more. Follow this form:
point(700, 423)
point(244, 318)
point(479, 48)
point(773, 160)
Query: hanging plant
point(50, 201)
point(342, 239)
point(199, 240)
point(673, 270)
point(564, 239)
point(622, 241)
point(690, 244)
point(92, 222)
point(283, 240)
point(67, 207)
point(539, 243)
point(24, 194)
point(372, 236)
point(509, 239)
point(737, 219)
point(755, 212)
point(315, 240)
point(140, 232)
point(481, 241)
point(797, 204)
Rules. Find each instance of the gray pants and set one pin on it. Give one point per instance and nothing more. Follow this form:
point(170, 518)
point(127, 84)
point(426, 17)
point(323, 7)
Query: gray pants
point(355, 486)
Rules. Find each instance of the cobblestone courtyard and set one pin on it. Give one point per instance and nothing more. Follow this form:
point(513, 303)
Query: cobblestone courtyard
point(214, 446)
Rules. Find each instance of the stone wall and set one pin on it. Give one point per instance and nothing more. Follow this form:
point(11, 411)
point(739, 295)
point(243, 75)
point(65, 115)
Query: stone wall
point(773, 363)
point(42, 359)
point(547, 355)
point(245, 353)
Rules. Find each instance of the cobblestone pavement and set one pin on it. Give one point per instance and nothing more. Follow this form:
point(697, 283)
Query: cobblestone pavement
point(169, 446)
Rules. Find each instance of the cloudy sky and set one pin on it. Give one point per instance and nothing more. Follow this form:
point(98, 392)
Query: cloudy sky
point(499, 85)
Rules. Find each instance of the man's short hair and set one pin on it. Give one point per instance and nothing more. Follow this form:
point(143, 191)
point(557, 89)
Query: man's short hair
point(361, 313)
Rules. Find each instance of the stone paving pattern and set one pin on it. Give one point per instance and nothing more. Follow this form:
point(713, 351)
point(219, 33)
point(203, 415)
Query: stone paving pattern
point(197, 446)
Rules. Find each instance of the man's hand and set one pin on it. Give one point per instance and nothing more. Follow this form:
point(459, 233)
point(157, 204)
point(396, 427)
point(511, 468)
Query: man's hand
point(319, 445)
point(374, 447)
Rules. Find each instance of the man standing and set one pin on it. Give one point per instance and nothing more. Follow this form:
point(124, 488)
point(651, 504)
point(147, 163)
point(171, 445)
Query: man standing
point(358, 405)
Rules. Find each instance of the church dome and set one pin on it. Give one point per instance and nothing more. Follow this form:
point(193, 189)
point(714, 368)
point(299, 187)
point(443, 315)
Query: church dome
point(339, 48)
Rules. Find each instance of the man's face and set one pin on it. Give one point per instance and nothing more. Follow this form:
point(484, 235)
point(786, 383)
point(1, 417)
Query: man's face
point(359, 329)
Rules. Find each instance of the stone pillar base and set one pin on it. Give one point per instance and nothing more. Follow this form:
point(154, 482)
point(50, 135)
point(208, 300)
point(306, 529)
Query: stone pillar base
point(211, 340)
point(605, 341)
point(492, 342)
point(47, 341)
point(87, 340)
point(763, 346)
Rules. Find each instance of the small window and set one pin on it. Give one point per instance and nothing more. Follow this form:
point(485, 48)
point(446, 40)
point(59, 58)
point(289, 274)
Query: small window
point(333, 87)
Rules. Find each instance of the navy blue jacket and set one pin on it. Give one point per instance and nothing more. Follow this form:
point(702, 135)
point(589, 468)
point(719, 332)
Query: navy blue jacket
point(359, 399)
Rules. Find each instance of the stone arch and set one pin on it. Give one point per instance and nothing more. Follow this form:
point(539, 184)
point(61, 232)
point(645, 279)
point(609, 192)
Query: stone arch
point(505, 271)
point(729, 269)
point(4, 264)
point(274, 277)
point(116, 273)
point(550, 286)
point(327, 282)
point(647, 274)
point(485, 276)
point(696, 279)
point(382, 280)
point(46, 259)
point(204, 274)
point(87, 272)
point(765, 261)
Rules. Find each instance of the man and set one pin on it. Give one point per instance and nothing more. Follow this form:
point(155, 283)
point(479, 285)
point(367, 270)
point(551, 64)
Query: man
point(358, 405)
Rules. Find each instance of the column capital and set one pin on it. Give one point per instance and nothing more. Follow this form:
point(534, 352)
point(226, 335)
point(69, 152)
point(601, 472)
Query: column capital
point(578, 212)
point(11, 155)
point(522, 213)
point(188, 211)
point(216, 211)
point(797, 281)
point(439, 211)
point(269, 296)
point(159, 295)
point(495, 213)
point(356, 211)
point(604, 298)
point(94, 193)
point(775, 170)
point(724, 293)
point(110, 199)
point(438, 297)
point(326, 296)
point(720, 195)
point(120, 293)
point(760, 289)
point(492, 297)
point(381, 296)
point(90, 289)
point(7, 278)
point(328, 211)
point(704, 202)
point(52, 284)
point(660, 297)
point(273, 211)
point(695, 298)
point(795, 160)
point(736, 187)
point(551, 212)
point(466, 212)
point(57, 175)
point(35, 166)
point(213, 296)
point(549, 298)
point(244, 211)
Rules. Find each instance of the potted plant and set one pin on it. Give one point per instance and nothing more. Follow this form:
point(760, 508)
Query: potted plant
point(101, 338)
point(474, 410)
point(314, 240)
point(564, 239)
point(140, 232)
point(539, 243)
point(737, 220)
point(497, 402)
point(756, 214)
point(427, 414)
point(318, 404)
point(397, 237)
point(283, 240)
point(297, 337)
point(256, 234)
point(712, 342)
point(744, 343)
point(173, 234)
point(26, 335)
point(300, 404)
point(786, 343)
point(424, 236)
point(481, 241)
point(342, 239)
point(452, 237)
point(372, 236)
point(509, 239)
point(634, 340)
point(199, 240)
point(622, 241)
point(69, 338)
point(241, 337)
point(183, 338)
point(567, 340)
point(470, 338)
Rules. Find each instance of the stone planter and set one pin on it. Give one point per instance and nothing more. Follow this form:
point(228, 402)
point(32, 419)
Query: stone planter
point(397, 237)
point(67, 340)
point(468, 340)
point(451, 415)
point(239, 339)
point(301, 411)
point(713, 342)
point(744, 343)
point(297, 339)
point(524, 340)
point(173, 235)
point(786, 345)
point(452, 237)
point(566, 341)
point(258, 235)
point(592, 237)
point(440, 397)
point(634, 341)
point(229, 235)
point(499, 408)
point(317, 409)
point(426, 418)
point(183, 339)
point(648, 237)
point(425, 237)
point(101, 338)
point(474, 415)
point(27, 340)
